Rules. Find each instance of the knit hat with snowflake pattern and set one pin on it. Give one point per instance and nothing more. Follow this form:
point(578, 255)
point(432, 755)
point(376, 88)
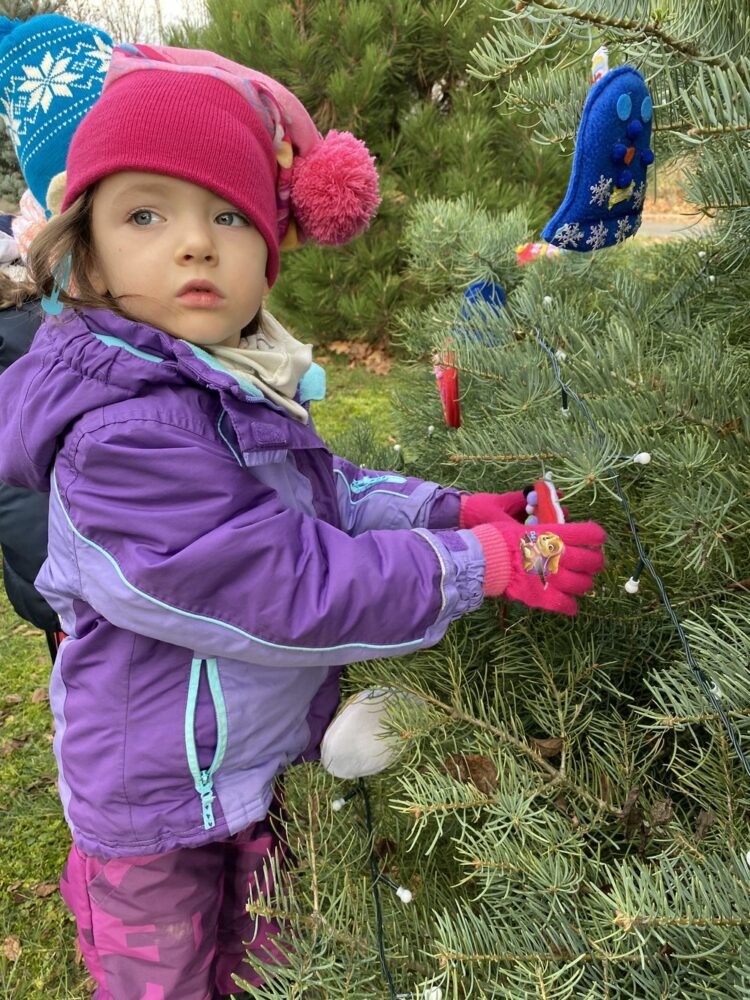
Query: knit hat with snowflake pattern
point(202, 118)
point(52, 71)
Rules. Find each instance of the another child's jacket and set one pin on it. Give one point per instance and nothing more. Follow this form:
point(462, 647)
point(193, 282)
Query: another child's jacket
point(213, 565)
point(23, 513)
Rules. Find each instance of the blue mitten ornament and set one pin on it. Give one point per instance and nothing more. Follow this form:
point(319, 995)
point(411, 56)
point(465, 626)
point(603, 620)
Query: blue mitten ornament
point(607, 188)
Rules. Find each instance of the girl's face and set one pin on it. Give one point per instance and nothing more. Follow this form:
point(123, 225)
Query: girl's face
point(177, 256)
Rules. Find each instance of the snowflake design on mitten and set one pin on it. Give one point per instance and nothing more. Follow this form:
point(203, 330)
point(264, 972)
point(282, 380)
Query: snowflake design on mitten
point(600, 191)
point(624, 228)
point(598, 236)
point(639, 196)
point(569, 235)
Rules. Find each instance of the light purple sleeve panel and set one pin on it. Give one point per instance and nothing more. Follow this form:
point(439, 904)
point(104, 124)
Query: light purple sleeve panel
point(175, 540)
point(370, 499)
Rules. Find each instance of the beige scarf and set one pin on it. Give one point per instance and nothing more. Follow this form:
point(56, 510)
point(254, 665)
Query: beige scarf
point(272, 360)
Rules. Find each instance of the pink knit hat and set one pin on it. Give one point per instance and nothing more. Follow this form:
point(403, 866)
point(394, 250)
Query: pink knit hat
point(205, 119)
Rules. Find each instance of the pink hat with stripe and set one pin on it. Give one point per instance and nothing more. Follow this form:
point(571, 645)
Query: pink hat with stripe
point(199, 117)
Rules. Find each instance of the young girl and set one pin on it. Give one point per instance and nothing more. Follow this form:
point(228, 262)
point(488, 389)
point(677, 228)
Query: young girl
point(213, 564)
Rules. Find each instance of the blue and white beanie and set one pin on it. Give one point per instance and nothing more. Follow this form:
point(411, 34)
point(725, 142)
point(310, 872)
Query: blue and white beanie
point(52, 71)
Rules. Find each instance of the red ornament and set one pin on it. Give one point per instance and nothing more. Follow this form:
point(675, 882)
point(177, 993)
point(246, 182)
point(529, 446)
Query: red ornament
point(447, 380)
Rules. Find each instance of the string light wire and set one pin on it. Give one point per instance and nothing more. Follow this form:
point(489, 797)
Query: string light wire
point(645, 562)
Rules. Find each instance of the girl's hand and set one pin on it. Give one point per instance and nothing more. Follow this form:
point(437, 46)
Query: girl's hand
point(483, 508)
point(541, 566)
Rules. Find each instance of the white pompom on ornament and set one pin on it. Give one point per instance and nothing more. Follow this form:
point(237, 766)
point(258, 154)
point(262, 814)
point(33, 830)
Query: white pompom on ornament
point(334, 189)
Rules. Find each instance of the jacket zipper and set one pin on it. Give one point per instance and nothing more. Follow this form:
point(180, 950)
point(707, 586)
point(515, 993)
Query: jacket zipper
point(203, 777)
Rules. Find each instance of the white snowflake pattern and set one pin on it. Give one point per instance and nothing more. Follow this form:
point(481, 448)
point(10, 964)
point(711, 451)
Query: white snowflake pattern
point(639, 196)
point(598, 236)
point(569, 235)
point(48, 80)
point(600, 191)
point(102, 52)
point(624, 229)
point(12, 123)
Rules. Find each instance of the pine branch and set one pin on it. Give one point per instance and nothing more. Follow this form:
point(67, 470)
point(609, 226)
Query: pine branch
point(638, 30)
point(554, 776)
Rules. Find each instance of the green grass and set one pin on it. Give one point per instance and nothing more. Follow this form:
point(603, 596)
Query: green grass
point(355, 395)
point(34, 837)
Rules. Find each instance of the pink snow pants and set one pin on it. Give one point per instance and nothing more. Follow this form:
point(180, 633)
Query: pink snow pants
point(174, 926)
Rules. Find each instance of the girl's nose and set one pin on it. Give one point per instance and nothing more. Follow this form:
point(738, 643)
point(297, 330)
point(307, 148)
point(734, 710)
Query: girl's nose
point(196, 245)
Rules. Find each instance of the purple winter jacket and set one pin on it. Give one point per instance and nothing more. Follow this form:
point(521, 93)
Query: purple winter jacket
point(214, 566)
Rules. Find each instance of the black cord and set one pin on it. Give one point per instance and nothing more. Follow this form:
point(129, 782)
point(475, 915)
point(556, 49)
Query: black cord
point(376, 876)
point(644, 559)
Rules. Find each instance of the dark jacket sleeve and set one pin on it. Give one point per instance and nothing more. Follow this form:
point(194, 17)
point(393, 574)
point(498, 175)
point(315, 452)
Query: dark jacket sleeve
point(17, 329)
point(23, 514)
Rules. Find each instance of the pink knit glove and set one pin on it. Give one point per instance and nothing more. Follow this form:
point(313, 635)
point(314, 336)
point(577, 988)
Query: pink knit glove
point(541, 566)
point(483, 508)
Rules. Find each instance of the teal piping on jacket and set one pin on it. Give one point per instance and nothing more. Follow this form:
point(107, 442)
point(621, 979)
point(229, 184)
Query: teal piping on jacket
point(116, 342)
point(203, 777)
point(206, 358)
point(225, 439)
point(217, 621)
point(353, 502)
point(360, 485)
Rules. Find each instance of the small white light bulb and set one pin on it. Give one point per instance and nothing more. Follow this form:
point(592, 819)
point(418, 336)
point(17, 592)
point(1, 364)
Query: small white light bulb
point(404, 894)
point(632, 586)
point(712, 278)
point(561, 355)
point(701, 254)
point(433, 993)
point(430, 430)
point(547, 301)
point(565, 411)
point(716, 690)
point(642, 458)
point(338, 804)
point(397, 447)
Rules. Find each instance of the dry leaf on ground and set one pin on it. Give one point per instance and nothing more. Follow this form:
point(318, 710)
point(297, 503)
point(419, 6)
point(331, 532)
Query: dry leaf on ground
point(45, 889)
point(11, 948)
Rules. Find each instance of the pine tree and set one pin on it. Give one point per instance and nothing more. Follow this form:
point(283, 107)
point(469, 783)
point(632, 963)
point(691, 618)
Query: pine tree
point(394, 73)
point(12, 183)
point(568, 807)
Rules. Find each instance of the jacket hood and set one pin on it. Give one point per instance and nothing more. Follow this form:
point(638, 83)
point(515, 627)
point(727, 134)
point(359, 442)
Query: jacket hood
point(79, 362)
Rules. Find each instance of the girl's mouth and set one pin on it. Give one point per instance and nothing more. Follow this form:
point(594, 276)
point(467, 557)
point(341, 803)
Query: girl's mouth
point(200, 295)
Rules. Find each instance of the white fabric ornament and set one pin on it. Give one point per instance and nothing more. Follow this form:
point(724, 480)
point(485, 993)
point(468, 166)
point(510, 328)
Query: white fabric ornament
point(356, 744)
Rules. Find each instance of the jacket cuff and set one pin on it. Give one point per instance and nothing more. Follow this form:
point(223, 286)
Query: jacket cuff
point(462, 565)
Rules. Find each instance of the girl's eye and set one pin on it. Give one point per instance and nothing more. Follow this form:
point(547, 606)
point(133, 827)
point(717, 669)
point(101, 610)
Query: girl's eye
point(144, 217)
point(232, 219)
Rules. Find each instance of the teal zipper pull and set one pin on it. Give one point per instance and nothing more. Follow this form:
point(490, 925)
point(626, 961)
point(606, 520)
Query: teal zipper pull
point(203, 778)
point(206, 792)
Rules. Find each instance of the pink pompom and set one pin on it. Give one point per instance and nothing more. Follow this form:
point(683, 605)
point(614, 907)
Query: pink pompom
point(335, 189)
